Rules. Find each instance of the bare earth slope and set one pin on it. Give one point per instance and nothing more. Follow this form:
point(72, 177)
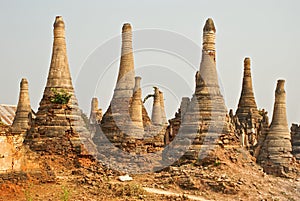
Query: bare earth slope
point(227, 174)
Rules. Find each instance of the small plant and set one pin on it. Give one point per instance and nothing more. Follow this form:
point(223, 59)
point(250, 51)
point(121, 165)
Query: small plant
point(60, 97)
point(66, 194)
point(217, 163)
point(28, 195)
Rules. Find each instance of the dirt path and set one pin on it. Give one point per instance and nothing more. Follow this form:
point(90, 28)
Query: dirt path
point(163, 192)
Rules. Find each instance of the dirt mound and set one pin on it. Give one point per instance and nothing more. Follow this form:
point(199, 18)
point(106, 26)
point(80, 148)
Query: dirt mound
point(225, 174)
point(230, 174)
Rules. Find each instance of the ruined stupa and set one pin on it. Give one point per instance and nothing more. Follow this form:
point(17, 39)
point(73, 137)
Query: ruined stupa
point(275, 155)
point(247, 101)
point(136, 107)
point(126, 134)
point(96, 113)
point(23, 115)
point(174, 123)
point(16, 158)
point(12, 152)
point(295, 134)
point(164, 120)
point(247, 120)
point(204, 121)
point(59, 127)
point(157, 115)
point(126, 118)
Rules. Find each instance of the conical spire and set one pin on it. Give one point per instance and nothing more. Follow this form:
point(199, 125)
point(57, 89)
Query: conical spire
point(94, 109)
point(209, 26)
point(163, 111)
point(125, 119)
point(23, 114)
point(96, 113)
point(207, 77)
point(118, 113)
point(136, 105)
point(59, 77)
point(59, 127)
point(184, 105)
point(279, 119)
point(204, 118)
point(156, 110)
point(59, 73)
point(209, 36)
point(277, 146)
point(247, 100)
point(126, 77)
point(207, 84)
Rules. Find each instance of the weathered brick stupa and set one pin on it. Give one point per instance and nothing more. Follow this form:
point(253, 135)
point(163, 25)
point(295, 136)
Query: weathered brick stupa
point(275, 155)
point(136, 108)
point(23, 115)
point(295, 133)
point(247, 119)
point(96, 113)
point(157, 115)
point(126, 134)
point(247, 101)
point(17, 162)
point(117, 123)
point(174, 124)
point(164, 120)
point(126, 123)
point(204, 121)
point(59, 127)
point(11, 141)
point(19, 128)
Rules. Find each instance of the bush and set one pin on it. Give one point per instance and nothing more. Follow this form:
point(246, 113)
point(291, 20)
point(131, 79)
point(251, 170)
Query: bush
point(60, 97)
point(66, 194)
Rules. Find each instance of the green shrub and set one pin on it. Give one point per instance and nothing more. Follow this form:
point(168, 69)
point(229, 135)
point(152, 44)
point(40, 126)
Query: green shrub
point(60, 97)
point(66, 194)
point(28, 195)
point(217, 163)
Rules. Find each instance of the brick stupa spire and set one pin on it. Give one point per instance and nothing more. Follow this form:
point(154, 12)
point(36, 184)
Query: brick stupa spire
point(247, 100)
point(207, 77)
point(156, 109)
point(275, 154)
point(59, 127)
point(96, 113)
point(126, 76)
point(208, 95)
point(163, 110)
point(295, 134)
point(23, 114)
point(126, 116)
point(136, 109)
point(204, 120)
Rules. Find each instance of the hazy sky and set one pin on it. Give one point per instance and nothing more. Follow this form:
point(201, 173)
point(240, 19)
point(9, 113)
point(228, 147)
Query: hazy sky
point(267, 31)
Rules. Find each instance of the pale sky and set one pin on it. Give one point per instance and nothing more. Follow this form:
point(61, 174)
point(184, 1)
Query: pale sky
point(267, 31)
